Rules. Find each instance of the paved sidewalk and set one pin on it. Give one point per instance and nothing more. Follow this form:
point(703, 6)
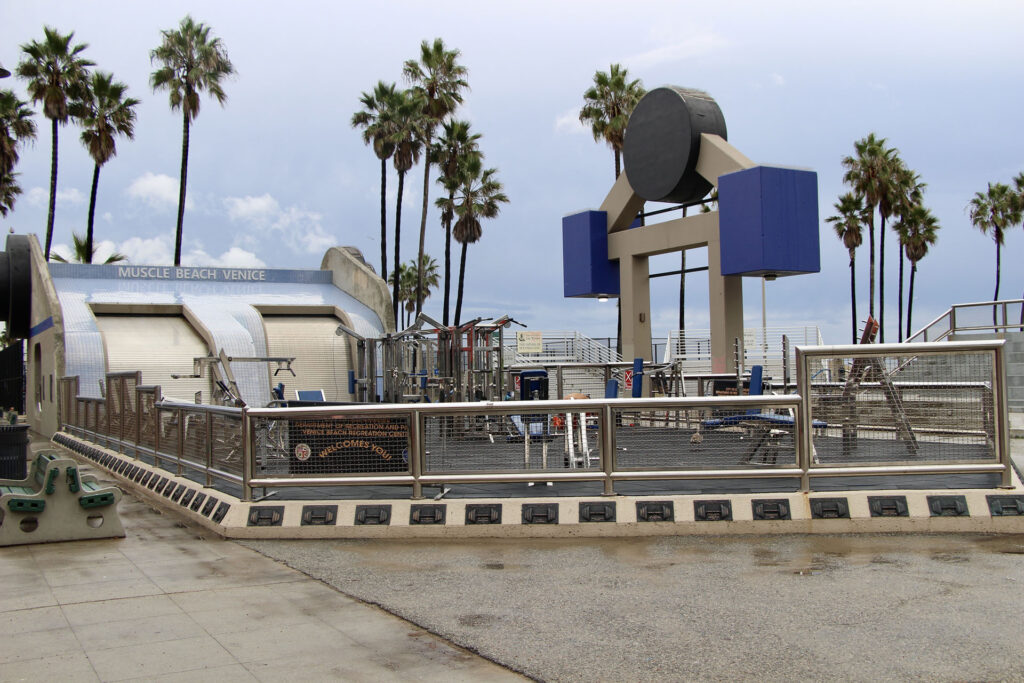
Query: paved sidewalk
point(167, 604)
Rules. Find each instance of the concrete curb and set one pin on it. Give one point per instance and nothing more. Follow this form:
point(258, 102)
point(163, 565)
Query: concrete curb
point(893, 511)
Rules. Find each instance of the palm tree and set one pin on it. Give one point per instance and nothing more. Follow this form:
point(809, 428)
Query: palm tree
point(893, 179)
point(106, 113)
point(9, 191)
point(607, 105)
point(848, 224)
point(995, 210)
point(479, 197)
point(84, 252)
point(428, 268)
point(406, 280)
point(440, 80)
point(16, 128)
point(405, 123)
point(450, 153)
point(921, 229)
point(375, 122)
point(865, 174)
point(191, 62)
point(57, 76)
point(910, 195)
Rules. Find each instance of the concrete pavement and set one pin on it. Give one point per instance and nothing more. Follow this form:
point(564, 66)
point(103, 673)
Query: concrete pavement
point(171, 603)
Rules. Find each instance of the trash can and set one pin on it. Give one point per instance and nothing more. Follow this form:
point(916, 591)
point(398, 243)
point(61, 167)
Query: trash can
point(14, 451)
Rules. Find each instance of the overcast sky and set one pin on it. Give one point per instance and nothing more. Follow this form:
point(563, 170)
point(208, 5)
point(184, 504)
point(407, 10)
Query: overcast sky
point(278, 175)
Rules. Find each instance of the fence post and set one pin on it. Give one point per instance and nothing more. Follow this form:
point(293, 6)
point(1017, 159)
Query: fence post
point(209, 448)
point(138, 420)
point(181, 440)
point(247, 456)
point(607, 430)
point(417, 452)
point(1002, 442)
point(804, 441)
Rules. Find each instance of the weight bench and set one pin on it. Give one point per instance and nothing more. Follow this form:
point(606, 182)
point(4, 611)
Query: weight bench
point(765, 427)
point(57, 503)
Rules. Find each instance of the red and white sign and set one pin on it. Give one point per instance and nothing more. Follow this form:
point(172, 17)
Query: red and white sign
point(627, 379)
point(517, 384)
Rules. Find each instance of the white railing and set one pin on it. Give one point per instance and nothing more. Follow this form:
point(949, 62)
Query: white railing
point(760, 346)
point(980, 317)
point(561, 346)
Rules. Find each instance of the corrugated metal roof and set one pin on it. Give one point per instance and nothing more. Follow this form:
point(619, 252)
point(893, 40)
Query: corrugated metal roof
point(222, 300)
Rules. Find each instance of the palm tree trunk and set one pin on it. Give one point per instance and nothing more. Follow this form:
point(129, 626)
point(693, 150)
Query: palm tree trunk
point(181, 186)
point(383, 220)
point(871, 264)
point(92, 213)
point(447, 265)
point(998, 269)
point(682, 291)
point(853, 297)
point(398, 236)
point(995, 297)
point(899, 326)
point(881, 283)
point(910, 297)
point(53, 191)
point(618, 164)
point(423, 226)
point(462, 280)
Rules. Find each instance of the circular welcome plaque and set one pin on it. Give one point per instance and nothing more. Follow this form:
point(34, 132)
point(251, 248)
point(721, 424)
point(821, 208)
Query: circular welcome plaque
point(302, 452)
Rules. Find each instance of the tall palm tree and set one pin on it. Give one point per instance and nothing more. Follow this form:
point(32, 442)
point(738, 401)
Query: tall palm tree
point(607, 105)
point(479, 197)
point(848, 224)
point(9, 191)
point(921, 229)
point(405, 122)
point(451, 152)
point(106, 113)
point(431, 279)
point(84, 252)
point(865, 173)
point(191, 62)
point(994, 211)
point(889, 199)
point(16, 128)
point(376, 122)
point(57, 76)
point(440, 80)
point(911, 193)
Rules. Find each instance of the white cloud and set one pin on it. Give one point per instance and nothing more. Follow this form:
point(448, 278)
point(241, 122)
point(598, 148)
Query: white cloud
point(569, 122)
point(38, 196)
point(258, 209)
point(696, 45)
point(235, 257)
point(777, 79)
point(157, 190)
point(148, 251)
point(300, 230)
point(108, 217)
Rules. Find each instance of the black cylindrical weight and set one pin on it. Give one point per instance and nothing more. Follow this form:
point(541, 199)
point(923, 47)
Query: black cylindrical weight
point(662, 143)
point(19, 264)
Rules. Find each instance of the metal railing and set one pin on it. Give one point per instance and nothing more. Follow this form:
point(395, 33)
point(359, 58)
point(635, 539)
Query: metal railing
point(984, 316)
point(898, 409)
point(907, 409)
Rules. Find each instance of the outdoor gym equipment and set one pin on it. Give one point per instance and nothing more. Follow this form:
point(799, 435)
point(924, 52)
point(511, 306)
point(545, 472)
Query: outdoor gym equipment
point(675, 150)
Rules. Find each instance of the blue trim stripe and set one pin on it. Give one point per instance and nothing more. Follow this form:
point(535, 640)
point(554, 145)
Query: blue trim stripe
point(41, 327)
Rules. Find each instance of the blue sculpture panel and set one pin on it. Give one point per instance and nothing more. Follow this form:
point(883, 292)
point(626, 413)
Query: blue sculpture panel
point(586, 270)
point(768, 222)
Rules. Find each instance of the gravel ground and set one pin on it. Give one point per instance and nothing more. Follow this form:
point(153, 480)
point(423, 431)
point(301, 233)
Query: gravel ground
point(870, 607)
